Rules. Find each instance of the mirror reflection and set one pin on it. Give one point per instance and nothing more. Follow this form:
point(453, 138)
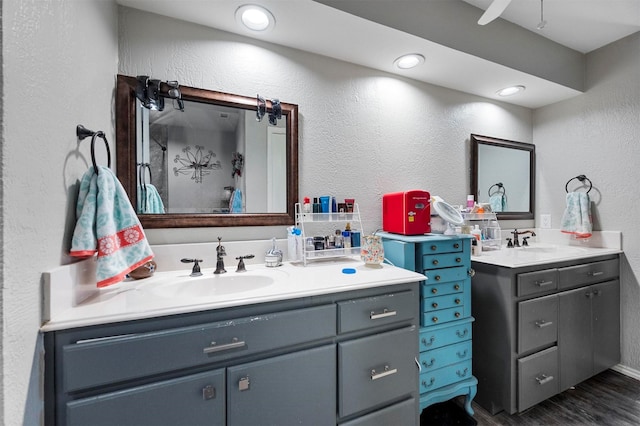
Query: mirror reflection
point(207, 161)
point(503, 176)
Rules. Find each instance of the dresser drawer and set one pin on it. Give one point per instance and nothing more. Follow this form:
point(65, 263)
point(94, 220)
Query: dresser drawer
point(102, 361)
point(537, 322)
point(373, 311)
point(372, 370)
point(436, 276)
point(440, 289)
point(402, 413)
point(575, 276)
point(442, 246)
point(437, 358)
point(445, 315)
point(537, 377)
point(442, 302)
point(537, 282)
point(435, 379)
point(437, 336)
point(444, 260)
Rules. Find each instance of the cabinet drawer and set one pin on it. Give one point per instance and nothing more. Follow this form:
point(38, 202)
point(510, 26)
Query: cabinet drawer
point(444, 260)
point(589, 273)
point(537, 322)
point(97, 362)
point(537, 377)
point(537, 282)
point(442, 302)
point(435, 289)
point(441, 335)
point(445, 315)
point(195, 400)
point(373, 311)
point(435, 379)
point(402, 413)
point(372, 370)
point(442, 246)
point(437, 358)
point(436, 276)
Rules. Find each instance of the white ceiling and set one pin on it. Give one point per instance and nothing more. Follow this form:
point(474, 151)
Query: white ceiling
point(582, 25)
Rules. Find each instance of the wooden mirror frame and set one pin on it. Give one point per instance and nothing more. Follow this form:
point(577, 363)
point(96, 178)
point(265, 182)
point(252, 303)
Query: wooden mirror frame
point(486, 140)
point(126, 159)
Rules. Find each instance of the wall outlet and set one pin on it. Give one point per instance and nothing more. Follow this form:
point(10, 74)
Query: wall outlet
point(545, 221)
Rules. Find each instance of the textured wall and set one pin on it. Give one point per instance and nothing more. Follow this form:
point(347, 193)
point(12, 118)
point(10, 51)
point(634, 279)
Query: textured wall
point(597, 134)
point(363, 133)
point(59, 61)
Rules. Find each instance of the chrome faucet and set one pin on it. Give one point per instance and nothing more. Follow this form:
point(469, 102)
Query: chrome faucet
point(515, 233)
point(195, 272)
point(220, 251)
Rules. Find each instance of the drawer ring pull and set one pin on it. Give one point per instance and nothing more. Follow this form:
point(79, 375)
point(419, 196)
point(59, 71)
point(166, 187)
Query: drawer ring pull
point(544, 379)
point(384, 314)
point(430, 342)
point(430, 363)
point(463, 354)
point(463, 373)
point(543, 323)
point(543, 283)
point(428, 385)
point(235, 343)
point(463, 334)
point(387, 372)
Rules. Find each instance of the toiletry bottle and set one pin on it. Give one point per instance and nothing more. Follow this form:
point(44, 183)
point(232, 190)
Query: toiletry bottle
point(339, 241)
point(306, 209)
point(316, 206)
point(325, 204)
point(334, 205)
point(474, 248)
point(346, 239)
point(292, 250)
point(470, 203)
point(476, 233)
point(355, 238)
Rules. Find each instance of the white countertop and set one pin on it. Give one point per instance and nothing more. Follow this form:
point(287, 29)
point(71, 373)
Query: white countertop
point(551, 246)
point(71, 299)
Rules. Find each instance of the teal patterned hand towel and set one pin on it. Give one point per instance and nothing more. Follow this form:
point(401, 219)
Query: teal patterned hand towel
point(576, 219)
point(108, 225)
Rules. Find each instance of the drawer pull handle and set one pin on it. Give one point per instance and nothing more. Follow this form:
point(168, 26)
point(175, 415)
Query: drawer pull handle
point(595, 274)
point(434, 247)
point(438, 278)
point(457, 314)
point(430, 342)
point(434, 305)
point(428, 385)
point(463, 334)
point(435, 261)
point(458, 260)
point(543, 283)
point(456, 245)
point(463, 354)
point(434, 290)
point(434, 319)
point(387, 372)
point(462, 373)
point(208, 392)
point(544, 379)
point(235, 343)
point(458, 301)
point(429, 364)
point(456, 287)
point(543, 323)
point(471, 272)
point(384, 314)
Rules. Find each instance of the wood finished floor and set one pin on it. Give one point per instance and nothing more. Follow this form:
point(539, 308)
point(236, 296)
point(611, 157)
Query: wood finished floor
point(607, 399)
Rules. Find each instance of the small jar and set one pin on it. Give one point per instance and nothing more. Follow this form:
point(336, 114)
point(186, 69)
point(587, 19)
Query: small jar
point(372, 251)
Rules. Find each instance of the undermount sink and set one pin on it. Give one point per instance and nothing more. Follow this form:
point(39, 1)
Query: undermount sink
point(209, 285)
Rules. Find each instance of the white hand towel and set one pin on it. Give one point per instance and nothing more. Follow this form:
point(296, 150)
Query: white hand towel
point(576, 219)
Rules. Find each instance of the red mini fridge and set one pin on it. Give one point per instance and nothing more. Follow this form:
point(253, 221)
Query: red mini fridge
point(407, 213)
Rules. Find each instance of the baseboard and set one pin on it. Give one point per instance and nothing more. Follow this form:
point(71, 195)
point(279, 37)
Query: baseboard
point(627, 371)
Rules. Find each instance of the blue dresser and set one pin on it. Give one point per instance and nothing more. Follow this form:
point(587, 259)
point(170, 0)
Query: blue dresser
point(445, 312)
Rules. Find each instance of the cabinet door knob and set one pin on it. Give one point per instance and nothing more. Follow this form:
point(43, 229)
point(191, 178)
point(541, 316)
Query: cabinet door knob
point(458, 260)
point(434, 247)
point(434, 305)
point(438, 277)
point(434, 290)
point(456, 287)
point(458, 301)
point(435, 261)
point(456, 245)
point(457, 314)
point(208, 392)
point(244, 384)
point(434, 319)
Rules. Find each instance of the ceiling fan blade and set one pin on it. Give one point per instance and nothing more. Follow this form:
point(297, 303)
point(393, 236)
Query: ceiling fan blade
point(494, 10)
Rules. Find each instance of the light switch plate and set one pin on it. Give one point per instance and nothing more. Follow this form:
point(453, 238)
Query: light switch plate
point(545, 221)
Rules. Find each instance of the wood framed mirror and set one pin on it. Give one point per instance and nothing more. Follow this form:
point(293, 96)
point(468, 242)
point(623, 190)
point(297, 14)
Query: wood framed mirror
point(503, 174)
point(264, 169)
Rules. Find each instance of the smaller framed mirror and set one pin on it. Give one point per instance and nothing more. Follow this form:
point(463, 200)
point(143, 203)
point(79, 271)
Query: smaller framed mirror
point(503, 175)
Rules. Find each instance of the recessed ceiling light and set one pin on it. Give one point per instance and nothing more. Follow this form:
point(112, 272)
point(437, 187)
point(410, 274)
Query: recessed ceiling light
point(508, 91)
point(409, 61)
point(255, 18)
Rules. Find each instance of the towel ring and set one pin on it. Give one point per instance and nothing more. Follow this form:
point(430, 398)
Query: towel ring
point(82, 133)
point(581, 178)
point(500, 188)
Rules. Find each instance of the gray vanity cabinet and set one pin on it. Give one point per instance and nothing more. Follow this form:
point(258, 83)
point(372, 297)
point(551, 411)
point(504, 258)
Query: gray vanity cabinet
point(541, 329)
point(341, 358)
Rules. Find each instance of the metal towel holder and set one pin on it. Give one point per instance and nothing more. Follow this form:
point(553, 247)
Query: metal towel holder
point(83, 133)
point(581, 178)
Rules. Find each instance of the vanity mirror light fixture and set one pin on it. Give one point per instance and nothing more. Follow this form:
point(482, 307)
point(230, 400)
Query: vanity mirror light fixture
point(499, 163)
point(257, 158)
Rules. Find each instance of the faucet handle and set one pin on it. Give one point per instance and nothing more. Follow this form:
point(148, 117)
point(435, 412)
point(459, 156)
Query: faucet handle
point(525, 243)
point(195, 272)
point(241, 267)
point(509, 243)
